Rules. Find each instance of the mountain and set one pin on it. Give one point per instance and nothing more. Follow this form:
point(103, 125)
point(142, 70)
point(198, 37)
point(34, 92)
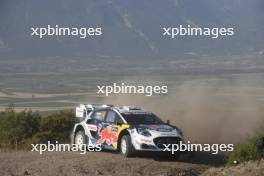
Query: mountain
point(131, 29)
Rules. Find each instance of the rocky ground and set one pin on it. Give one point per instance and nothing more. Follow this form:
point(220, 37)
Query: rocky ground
point(103, 163)
point(106, 163)
point(251, 168)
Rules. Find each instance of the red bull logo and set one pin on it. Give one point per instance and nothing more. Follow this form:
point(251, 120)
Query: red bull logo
point(107, 135)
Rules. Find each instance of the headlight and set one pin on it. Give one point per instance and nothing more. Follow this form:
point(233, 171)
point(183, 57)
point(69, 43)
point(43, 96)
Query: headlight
point(143, 132)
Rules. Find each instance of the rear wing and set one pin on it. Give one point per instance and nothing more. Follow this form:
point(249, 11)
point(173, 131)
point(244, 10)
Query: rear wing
point(83, 110)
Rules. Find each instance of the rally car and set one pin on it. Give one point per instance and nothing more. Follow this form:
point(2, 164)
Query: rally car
point(127, 129)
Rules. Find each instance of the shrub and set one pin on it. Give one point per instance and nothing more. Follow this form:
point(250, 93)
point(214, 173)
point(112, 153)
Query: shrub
point(20, 129)
point(56, 127)
point(246, 151)
point(17, 127)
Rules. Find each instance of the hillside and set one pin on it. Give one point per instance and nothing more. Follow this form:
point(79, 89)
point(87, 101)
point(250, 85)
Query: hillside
point(131, 29)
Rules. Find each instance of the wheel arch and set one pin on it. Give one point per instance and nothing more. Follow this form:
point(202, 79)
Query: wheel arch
point(121, 134)
point(79, 128)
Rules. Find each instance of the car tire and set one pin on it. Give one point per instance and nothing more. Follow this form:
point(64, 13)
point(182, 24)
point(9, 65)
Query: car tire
point(170, 156)
point(80, 139)
point(126, 147)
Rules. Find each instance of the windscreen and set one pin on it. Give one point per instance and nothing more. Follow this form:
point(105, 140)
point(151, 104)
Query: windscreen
point(146, 118)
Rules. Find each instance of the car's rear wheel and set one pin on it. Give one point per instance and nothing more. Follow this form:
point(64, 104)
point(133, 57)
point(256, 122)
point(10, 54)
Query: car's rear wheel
point(126, 147)
point(80, 139)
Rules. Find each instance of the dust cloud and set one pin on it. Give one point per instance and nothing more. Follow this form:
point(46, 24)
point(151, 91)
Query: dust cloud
point(213, 111)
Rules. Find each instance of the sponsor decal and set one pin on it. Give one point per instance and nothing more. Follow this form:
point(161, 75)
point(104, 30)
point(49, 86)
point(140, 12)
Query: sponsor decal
point(107, 135)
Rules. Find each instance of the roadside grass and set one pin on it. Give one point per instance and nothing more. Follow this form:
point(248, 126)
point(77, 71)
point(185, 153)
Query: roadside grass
point(246, 151)
point(18, 130)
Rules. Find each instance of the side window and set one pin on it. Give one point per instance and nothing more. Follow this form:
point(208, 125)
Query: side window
point(119, 120)
point(99, 115)
point(113, 117)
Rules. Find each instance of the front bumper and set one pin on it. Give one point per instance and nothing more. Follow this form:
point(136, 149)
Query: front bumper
point(155, 142)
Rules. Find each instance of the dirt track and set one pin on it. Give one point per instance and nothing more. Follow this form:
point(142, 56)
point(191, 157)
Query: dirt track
point(103, 163)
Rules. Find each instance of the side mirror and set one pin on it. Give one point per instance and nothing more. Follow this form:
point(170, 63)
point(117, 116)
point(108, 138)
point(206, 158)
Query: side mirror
point(168, 122)
point(118, 123)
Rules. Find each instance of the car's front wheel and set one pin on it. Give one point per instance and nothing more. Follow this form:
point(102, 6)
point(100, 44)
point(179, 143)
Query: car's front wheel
point(126, 147)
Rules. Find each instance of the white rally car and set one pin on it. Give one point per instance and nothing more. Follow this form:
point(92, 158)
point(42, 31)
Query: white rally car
point(128, 129)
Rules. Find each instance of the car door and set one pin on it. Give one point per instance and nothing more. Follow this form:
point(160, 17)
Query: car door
point(96, 125)
point(109, 134)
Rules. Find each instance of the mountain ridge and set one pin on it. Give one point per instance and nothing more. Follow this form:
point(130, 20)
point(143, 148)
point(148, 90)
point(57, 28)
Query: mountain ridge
point(131, 29)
